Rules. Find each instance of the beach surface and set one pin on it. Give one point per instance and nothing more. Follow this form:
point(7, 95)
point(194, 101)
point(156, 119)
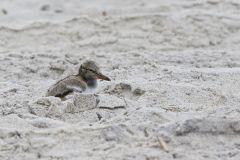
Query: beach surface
point(175, 79)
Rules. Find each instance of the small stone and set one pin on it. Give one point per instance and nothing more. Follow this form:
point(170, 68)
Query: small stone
point(122, 87)
point(236, 126)
point(44, 74)
point(104, 13)
point(99, 116)
point(40, 124)
point(13, 90)
point(177, 156)
point(45, 7)
point(59, 10)
point(115, 66)
point(43, 101)
point(4, 11)
point(138, 91)
point(58, 66)
point(146, 134)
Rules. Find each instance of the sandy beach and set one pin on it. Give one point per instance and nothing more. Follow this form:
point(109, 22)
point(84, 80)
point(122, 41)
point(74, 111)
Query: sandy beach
point(175, 79)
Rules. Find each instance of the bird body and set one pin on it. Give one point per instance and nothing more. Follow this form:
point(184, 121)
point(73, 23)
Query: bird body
point(86, 78)
point(67, 85)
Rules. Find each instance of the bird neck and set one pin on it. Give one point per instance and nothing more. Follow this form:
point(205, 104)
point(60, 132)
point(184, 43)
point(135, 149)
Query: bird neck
point(91, 82)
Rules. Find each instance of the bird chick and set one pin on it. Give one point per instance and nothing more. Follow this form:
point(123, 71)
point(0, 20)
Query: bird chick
point(86, 78)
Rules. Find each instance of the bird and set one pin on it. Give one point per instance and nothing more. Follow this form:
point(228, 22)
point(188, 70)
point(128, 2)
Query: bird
point(86, 78)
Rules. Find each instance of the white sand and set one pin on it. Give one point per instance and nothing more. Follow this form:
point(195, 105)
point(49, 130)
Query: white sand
point(176, 65)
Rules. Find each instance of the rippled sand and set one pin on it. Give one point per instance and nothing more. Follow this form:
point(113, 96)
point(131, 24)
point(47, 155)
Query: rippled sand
point(175, 70)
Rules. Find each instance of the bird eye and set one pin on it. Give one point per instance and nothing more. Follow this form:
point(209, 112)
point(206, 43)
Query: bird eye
point(89, 70)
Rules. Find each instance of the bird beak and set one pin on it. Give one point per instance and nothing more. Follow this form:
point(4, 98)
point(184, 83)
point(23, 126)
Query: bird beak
point(103, 77)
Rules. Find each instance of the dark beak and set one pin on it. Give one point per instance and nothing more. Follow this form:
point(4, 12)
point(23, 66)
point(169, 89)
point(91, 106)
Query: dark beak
point(103, 77)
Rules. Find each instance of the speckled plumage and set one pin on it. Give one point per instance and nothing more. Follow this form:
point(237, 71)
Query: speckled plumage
point(87, 77)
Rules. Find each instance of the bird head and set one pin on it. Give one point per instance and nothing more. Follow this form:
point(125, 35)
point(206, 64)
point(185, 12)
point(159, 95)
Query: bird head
point(90, 70)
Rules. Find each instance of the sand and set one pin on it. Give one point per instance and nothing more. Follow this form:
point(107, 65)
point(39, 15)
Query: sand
point(175, 70)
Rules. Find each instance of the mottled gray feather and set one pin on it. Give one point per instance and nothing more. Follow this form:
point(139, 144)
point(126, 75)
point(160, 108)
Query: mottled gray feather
point(67, 85)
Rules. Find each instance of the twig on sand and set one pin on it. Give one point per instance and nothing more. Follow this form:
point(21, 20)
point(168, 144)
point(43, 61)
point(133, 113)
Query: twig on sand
point(99, 116)
point(125, 102)
point(162, 144)
point(112, 108)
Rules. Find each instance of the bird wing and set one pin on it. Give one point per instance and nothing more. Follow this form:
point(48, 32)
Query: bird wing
point(66, 86)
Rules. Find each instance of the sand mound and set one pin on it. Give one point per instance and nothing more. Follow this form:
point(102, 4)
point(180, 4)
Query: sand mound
point(174, 67)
